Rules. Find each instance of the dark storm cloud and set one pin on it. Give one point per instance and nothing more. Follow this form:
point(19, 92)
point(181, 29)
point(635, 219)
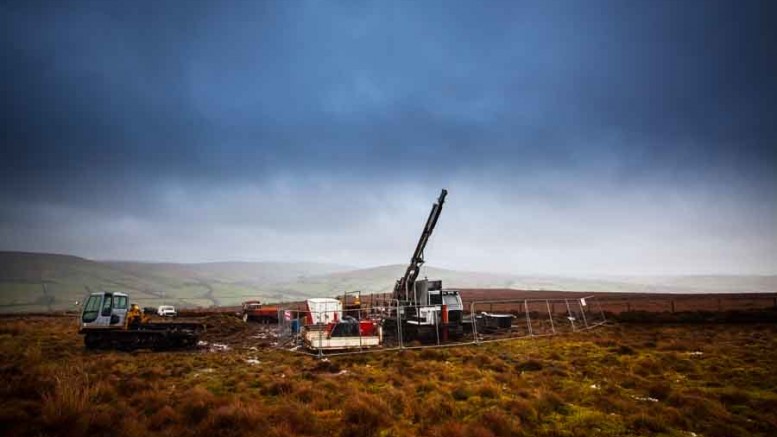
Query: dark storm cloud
point(148, 109)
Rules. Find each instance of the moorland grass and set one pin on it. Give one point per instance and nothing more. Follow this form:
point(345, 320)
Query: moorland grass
point(629, 379)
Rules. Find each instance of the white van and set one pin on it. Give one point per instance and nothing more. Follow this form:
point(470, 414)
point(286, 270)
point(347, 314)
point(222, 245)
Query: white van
point(166, 311)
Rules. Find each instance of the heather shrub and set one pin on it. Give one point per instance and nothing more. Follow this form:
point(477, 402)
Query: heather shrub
point(163, 417)
point(364, 415)
point(500, 423)
point(196, 404)
point(530, 365)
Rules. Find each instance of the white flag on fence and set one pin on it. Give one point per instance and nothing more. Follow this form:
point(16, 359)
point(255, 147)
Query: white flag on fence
point(287, 315)
point(582, 301)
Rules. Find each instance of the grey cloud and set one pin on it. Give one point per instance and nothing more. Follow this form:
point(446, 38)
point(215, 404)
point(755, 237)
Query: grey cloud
point(266, 124)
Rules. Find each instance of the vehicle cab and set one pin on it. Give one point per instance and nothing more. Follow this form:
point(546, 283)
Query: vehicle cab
point(429, 300)
point(105, 310)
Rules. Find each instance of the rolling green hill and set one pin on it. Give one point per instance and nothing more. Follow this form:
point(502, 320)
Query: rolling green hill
point(35, 282)
point(46, 282)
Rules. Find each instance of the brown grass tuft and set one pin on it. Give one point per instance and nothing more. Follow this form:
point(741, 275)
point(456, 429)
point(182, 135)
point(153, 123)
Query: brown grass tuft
point(364, 415)
point(647, 423)
point(68, 405)
point(549, 402)
point(235, 419)
point(500, 423)
point(522, 409)
point(660, 390)
point(295, 418)
point(164, 417)
point(530, 365)
point(488, 390)
point(196, 404)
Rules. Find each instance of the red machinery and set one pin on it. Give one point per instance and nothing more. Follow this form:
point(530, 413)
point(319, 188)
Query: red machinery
point(253, 310)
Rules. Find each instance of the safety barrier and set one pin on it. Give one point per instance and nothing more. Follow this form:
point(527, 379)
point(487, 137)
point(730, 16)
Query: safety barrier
point(500, 320)
point(331, 332)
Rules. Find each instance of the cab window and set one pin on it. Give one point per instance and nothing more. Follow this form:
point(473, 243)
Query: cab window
point(91, 308)
point(107, 305)
point(120, 302)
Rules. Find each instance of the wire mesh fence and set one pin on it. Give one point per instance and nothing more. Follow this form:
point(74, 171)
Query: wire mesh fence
point(520, 318)
point(333, 330)
point(687, 303)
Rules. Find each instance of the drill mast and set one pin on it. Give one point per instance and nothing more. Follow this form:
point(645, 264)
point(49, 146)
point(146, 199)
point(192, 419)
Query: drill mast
point(403, 290)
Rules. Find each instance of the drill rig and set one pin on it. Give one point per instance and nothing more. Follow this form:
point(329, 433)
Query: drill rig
point(424, 307)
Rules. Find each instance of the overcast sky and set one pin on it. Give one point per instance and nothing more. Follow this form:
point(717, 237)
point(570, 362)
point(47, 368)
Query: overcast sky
point(575, 137)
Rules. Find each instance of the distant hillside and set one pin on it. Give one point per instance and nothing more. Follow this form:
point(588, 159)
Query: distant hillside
point(45, 282)
point(382, 279)
point(34, 282)
point(230, 272)
point(41, 282)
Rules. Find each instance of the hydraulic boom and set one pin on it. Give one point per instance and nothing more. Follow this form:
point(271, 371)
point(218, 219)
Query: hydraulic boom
point(404, 286)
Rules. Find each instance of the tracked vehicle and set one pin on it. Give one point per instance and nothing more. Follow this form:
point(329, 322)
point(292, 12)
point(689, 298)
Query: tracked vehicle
point(108, 321)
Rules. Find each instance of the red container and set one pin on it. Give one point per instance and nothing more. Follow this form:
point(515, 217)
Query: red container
point(367, 327)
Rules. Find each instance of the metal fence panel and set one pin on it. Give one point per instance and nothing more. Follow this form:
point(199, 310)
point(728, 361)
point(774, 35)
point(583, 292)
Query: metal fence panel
point(392, 327)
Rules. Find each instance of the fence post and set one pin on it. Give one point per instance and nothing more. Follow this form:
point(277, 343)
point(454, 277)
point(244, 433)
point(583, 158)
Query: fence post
point(436, 328)
point(550, 314)
point(672, 302)
point(320, 344)
point(570, 317)
point(399, 328)
point(528, 318)
point(474, 322)
point(359, 325)
point(582, 312)
point(601, 311)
